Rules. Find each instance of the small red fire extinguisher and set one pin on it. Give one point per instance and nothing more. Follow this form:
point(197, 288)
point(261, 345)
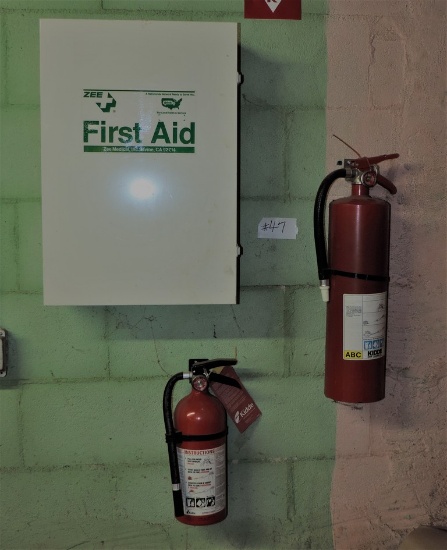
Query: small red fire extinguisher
point(197, 436)
point(354, 279)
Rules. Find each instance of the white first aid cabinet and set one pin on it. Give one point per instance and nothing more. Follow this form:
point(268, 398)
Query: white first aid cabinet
point(139, 162)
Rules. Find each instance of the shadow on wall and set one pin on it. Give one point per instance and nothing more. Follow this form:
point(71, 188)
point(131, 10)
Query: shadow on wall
point(413, 375)
point(135, 535)
point(10, 350)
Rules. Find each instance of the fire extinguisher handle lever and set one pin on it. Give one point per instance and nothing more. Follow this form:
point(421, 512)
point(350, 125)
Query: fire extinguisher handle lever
point(381, 158)
point(222, 379)
point(205, 367)
point(209, 364)
point(387, 184)
point(365, 163)
point(368, 165)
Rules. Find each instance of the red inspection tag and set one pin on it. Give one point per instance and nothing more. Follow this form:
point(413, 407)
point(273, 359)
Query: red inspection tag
point(238, 403)
point(272, 9)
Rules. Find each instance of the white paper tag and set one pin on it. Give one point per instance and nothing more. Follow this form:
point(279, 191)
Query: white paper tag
point(238, 403)
point(277, 228)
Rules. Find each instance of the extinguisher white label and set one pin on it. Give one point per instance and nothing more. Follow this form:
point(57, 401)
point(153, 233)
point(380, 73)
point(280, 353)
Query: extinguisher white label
point(203, 480)
point(364, 326)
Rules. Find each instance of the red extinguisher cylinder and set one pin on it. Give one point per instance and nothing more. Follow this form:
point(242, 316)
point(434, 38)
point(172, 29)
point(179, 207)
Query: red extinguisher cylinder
point(359, 230)
point(353, 270)
point(196, 435)
point(202, 463)
point(358, 250)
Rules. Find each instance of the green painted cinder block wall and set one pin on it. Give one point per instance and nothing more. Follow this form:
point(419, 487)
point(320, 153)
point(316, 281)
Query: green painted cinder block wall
point(83, 457)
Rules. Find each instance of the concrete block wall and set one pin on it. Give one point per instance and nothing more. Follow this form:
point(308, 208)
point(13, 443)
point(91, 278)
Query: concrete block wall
point(386, 92)
point(83, 457)
point(82, 452)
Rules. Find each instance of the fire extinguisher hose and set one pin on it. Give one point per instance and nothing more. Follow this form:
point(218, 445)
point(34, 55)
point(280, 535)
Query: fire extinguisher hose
point(319, 213)
point(171, 442)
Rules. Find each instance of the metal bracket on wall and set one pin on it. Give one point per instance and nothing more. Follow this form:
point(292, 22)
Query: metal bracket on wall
point(3, 353)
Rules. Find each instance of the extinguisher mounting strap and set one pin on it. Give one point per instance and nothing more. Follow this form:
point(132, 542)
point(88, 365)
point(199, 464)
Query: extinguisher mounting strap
point(178, 437)
point(362, 276)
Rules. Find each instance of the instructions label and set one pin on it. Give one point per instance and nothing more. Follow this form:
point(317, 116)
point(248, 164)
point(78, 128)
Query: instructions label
point(203, 480)
point(364, 326)
point(138, 121)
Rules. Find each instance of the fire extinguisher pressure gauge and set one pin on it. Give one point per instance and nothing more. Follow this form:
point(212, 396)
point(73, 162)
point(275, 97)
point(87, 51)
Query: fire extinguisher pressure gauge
point(200, 382)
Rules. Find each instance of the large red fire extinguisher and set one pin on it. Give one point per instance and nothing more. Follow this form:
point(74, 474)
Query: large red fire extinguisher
point(354, 278)
point(196, 436)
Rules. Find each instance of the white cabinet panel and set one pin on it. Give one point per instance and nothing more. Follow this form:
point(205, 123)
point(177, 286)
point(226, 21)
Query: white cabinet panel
point(139, 162)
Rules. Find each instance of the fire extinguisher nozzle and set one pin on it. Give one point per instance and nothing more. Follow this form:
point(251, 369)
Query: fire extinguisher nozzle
point(324, 287)
point(178, 503)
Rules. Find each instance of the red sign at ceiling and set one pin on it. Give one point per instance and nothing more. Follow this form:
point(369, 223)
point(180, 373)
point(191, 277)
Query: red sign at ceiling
point(272, 9)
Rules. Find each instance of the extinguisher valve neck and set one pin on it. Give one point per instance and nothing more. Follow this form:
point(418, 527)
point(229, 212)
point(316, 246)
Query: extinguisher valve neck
point(324, 287)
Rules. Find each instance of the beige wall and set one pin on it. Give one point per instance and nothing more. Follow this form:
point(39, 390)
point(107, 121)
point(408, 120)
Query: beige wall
point(386, 86)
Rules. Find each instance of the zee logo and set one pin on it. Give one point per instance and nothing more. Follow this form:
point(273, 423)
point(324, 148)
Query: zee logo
point(92, 94)
point(106, 104)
